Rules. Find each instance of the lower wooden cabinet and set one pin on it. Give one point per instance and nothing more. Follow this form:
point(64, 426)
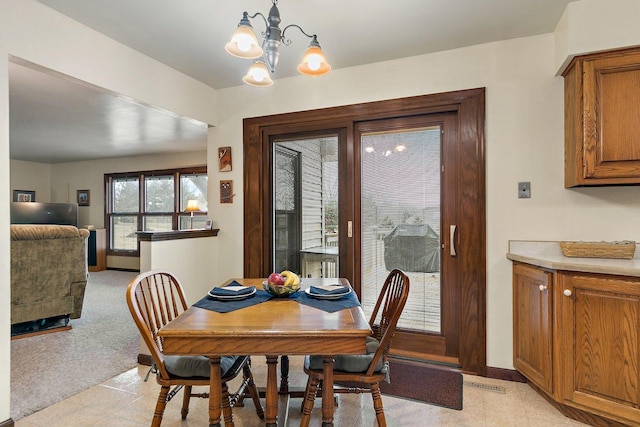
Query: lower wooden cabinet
point(600, 338)
point(532, 323)
point(577, 339)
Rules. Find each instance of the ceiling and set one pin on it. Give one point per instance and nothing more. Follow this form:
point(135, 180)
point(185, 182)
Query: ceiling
point(56, 119)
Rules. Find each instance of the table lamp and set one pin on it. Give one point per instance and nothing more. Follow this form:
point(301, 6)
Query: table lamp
point(192, 206)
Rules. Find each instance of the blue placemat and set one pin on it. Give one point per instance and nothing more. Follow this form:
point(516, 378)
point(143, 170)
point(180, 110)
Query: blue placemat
point(330, 306)
point(226, 306)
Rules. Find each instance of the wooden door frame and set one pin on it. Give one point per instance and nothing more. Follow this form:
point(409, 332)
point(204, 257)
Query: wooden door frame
point(469, 105)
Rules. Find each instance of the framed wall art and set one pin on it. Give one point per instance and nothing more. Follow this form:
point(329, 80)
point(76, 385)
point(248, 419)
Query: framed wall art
point(83, 198)
point(24, 196)
point(224, 159)
point(226, 191)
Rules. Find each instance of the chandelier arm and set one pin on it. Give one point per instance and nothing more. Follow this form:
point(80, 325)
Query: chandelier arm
point(266, 24)
point(287, 42)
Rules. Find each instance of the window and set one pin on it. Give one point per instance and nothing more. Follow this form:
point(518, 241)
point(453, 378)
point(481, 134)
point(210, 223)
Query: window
point(152, 201)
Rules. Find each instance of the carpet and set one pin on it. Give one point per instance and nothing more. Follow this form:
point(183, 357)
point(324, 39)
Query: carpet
point(102, 343)
point(427, 383)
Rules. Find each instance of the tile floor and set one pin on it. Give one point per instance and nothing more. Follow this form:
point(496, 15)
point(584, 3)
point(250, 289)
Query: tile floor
point(126, 400)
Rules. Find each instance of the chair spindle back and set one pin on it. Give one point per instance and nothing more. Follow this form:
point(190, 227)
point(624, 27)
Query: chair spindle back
point(387, 311)
point(155, 298)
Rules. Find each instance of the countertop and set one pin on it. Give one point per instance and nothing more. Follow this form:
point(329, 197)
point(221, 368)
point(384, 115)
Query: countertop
point(549, 255)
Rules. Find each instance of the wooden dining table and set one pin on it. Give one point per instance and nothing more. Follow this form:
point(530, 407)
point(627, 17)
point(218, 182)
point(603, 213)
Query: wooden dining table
point(280, 326)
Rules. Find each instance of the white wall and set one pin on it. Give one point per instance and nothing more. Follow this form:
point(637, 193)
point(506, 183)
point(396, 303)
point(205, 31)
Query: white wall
point(31, 176)
point(524, 136)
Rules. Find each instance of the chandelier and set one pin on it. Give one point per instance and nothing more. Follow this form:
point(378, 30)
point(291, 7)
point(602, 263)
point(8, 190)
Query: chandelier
point(244, 44)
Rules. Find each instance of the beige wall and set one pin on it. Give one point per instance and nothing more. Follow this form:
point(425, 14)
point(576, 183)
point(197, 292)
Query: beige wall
point(524, 135)
point(596, 25)
point(33, 177)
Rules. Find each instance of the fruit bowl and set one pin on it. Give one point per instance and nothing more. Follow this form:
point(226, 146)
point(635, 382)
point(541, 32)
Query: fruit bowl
point(279, 291)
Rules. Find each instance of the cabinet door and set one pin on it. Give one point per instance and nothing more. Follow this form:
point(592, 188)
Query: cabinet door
point(601, 345)
point(532, 323)
point(602, 106)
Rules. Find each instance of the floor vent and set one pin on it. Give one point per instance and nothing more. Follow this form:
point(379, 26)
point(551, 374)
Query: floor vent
point(487, 387)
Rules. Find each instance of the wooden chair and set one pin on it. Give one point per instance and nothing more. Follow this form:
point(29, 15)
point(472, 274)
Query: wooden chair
point(363, 371)
point(155, 298)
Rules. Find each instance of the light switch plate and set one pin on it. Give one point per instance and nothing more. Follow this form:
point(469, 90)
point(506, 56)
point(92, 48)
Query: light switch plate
point(524, 190)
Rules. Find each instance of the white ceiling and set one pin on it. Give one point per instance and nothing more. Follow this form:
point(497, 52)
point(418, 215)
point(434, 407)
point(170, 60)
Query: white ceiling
point(54, 119)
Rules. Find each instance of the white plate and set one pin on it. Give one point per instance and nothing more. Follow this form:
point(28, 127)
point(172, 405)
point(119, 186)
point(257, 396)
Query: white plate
point(326, 296)
point(231, 297)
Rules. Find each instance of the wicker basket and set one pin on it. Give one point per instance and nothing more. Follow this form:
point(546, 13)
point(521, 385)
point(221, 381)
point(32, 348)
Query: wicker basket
point(620, 250)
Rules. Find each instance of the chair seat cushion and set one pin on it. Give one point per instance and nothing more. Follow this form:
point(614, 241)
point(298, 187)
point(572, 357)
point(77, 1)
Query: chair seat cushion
point(196, 366)
point(350, 362)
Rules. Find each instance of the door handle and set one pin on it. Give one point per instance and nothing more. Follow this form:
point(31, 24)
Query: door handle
point(452, 244)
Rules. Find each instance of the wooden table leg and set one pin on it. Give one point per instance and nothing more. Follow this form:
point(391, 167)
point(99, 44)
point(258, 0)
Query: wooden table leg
point(327, 391)
point(271, 396)
point(215, 392)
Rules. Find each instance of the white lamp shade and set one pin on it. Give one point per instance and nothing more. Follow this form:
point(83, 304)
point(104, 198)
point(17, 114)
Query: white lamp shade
point(192, 206)
point(244, 43)
point(258, 75)
point(314, 62)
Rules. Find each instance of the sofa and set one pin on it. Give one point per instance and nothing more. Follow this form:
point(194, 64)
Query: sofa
point(48, 271)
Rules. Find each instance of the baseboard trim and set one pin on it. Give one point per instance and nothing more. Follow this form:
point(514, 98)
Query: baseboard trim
point(505, 374)
point(7, 423)
point(132, 270)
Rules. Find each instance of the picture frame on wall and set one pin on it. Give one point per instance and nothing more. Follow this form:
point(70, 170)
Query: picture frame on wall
point(226, 191)
point(224, 159)
point(24, 196)
point(83, 197)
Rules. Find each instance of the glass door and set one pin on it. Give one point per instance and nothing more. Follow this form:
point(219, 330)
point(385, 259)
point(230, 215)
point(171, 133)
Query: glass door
point(305, 200)
point(400, 194)
point(408, 201)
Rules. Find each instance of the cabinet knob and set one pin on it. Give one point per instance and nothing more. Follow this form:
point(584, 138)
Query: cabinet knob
point(567, 292)
point(543, 288)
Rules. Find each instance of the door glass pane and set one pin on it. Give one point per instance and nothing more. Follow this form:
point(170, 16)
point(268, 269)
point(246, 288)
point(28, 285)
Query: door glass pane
point(401, 220)
point(305, 200)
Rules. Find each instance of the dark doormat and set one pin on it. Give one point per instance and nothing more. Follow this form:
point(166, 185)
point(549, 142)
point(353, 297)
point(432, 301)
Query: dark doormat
point(424, 382)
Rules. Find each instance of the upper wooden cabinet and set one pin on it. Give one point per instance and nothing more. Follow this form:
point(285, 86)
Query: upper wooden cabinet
point(602, 119)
